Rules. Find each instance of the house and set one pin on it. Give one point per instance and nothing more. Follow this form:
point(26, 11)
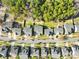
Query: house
point(76, 27)
point(76, 4)
point(17, 31)
point(44, 52)
point(27, 31)
point(38, 30)
point(48, 32)
point(56, 52)
point(35, 51)
point(3, 51)
point(68, 28)
point(66, 51)
point(6, 26)
point(58, 30)
point(13, 51)
point(75, 50)
point(24, 53)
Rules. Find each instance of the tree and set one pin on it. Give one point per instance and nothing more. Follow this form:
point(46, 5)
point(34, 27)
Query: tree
point(46, 10)
point(17, 8)
point(53, 9)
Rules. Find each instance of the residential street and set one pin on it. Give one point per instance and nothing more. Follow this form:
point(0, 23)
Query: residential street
point(39, 41)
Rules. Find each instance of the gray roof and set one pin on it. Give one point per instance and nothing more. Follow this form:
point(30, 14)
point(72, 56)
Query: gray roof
point(55, 52)
point(48, 32)
point(38, 30)
point(13, 51)
point(66, 52)
point(6, 27)
point(44, 52)
point(17, 30)
point(68, 28)
point(75, 50)
point(34, 51)
point(3, 51)
point(7, 24)
point(76, 3)
point(27, 31)
point(76, 27)
point(58, 30)
point(24, 53)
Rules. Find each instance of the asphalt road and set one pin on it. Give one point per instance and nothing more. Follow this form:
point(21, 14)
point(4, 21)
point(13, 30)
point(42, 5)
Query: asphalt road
point(38, 41)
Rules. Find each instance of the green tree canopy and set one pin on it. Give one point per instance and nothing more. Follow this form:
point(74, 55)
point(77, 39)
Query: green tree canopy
point(46, 10)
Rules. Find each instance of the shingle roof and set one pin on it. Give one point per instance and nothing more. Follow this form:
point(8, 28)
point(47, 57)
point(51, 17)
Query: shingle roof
point(13, 51)
point(48, 32)
point(44, 51)
point(55, 52)
point(7, 24)
point(58, 30)
point(34, 51)
point(75, 50)
point(68, 28)
point(38, 30)
point(27, 31)
point(24, 53)
point(17, 31)
point(3, 51)
point(66, 52)
point(6, 27)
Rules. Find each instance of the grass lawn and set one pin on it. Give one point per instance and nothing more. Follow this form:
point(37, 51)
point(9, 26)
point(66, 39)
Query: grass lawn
point(3, 58)
point(49, 57)
point(33, 57)
point(43, 37)
point(77, 19)
point(38, 45)
point(1, 42)
point(27, 44)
